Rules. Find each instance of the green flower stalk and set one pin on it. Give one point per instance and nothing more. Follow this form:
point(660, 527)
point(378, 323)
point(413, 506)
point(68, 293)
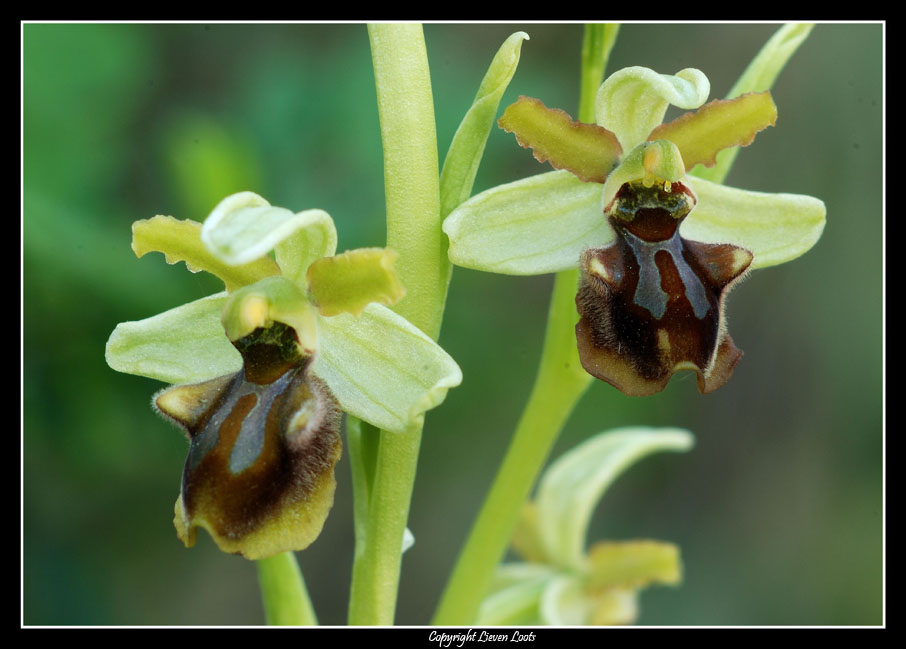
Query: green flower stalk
point(384, 465)
point(265, 369)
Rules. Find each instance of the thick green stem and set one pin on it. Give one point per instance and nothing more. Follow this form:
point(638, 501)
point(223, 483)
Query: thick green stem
point(560, 382)
point(283, 591)
point(406, 109)
point(411, 173)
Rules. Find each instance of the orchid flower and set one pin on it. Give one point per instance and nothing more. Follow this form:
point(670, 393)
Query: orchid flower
point(265, 369)
point(658, 248)
point(560, 582)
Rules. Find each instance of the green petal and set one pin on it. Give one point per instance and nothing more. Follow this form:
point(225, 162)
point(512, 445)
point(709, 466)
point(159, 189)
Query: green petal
point(759, 75)
point(183, 345)
point(181, 241)
point(383, 369)
point(347, 283)
point(632, 101)
point(467, 147)
point(532, 226)
point(718, 125)
point(589, 151)
point(244, 227)
point(571, 487)
point(513, 598)
point(633, 564)
point(774, 227)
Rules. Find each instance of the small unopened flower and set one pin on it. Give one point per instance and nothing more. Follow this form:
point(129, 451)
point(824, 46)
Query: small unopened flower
point(265, 369)
point(560, 583)
point(658, 249)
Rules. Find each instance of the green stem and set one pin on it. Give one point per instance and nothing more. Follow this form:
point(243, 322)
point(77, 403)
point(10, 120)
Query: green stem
point(559, 385)
point(411, 173)
point(406, 109)
point(596, 45)
point(286, 601)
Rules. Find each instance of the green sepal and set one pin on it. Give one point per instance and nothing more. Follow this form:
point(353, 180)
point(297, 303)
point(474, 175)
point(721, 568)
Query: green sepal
point(181, 241)
point(466, 150)
point(272, 299)
point(589, 151)
point(633, 564)
point(774, 227)
point(182, 345)
point(572, 486)
point(540, 224)
point(383, 369)
point(348, 282)
point(632, 101)
point(244, 227)
point(718, 125)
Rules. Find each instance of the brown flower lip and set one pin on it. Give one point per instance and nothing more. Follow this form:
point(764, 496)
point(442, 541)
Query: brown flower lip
point(263, 444)
point(651, 303)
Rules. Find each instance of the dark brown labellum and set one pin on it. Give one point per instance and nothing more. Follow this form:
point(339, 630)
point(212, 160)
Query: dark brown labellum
point(651, 303)
point(263, 444)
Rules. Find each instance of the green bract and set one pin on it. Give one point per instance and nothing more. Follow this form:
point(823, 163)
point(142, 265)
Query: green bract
point(562, 584)
point(265, 368)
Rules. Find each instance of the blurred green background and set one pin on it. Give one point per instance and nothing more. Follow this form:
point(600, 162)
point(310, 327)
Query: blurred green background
point(779, 507)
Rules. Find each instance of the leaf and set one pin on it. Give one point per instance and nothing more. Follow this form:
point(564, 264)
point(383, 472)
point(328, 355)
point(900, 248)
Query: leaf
point(466, 149)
